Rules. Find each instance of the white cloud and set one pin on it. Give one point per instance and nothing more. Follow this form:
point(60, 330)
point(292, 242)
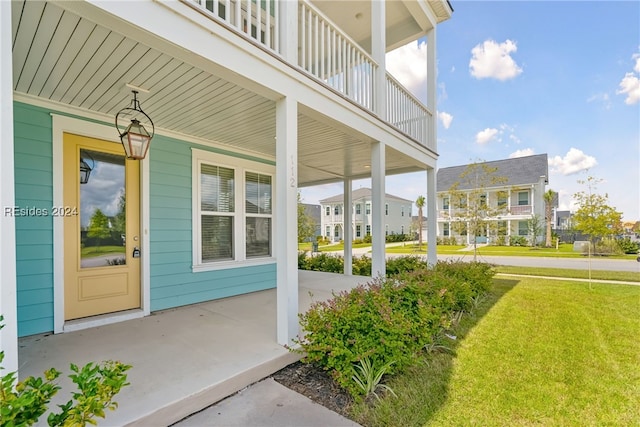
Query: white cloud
point(445, 118)
point(522, 153)
point(573, 162)
point(493, 60)
point(630, 86)
point(630, 83)
point(486, 135)
point(408, 64)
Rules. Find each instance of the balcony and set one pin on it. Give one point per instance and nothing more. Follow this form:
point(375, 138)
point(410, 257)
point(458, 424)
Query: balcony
point(327, 54)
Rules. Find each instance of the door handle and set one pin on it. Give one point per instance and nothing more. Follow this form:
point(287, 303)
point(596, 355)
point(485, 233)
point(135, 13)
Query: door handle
point(136, 252)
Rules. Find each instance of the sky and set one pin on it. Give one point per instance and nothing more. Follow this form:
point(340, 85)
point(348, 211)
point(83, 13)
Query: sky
point(517, 78)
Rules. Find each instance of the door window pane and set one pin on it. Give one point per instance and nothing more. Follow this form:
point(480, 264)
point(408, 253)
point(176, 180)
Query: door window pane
point(103, 211)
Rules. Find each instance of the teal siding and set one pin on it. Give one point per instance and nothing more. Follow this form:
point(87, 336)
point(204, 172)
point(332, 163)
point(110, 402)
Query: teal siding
point(173, 283)
point(34, 234)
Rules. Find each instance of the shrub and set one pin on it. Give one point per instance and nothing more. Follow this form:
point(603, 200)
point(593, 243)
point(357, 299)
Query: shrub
point(404, 263)
point(389, 321)
point(324, 262)
point(518, 241)
point(628, 247)
point(22, 403)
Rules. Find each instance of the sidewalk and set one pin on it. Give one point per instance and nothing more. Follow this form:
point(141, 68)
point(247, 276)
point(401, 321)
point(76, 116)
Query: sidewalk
point(266, 404)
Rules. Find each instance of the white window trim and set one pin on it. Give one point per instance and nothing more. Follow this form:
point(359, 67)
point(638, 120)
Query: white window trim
point(240, 167)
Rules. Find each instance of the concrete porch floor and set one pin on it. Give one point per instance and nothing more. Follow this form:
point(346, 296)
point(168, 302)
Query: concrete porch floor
point(183, 359)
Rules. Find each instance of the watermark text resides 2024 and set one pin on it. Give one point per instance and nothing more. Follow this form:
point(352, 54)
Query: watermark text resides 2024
point(34, 211)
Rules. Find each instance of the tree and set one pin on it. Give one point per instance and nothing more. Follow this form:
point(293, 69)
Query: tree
point(420, 202)
point(99, 226)
point(594, 216)
point(534, 225)
point(549, 198)
point(470, 199)
point(306, 224)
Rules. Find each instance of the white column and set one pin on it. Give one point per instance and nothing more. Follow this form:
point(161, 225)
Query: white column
point(286, 219)
point(378, 265)
point(378, 50)
point(289, 30)
point(432, 217)
point(347, 226)
point(431, 89)
point(8, 291)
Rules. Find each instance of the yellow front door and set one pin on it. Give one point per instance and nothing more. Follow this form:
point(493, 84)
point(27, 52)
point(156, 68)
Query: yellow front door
point(101, 228)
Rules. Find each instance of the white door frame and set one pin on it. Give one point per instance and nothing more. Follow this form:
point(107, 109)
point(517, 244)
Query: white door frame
point(60, 125)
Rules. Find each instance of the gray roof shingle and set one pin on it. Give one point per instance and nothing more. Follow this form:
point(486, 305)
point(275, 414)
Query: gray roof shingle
point(517, 171)
point(358, 194)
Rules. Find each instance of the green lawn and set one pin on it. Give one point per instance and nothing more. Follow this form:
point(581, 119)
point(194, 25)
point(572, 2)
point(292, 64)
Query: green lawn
point(625, 276)
point(537, 352)
point(563, 251)
point(94, 251)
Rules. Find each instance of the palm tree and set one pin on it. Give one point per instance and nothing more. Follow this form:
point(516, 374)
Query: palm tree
point(420, 201)
point(549, 197)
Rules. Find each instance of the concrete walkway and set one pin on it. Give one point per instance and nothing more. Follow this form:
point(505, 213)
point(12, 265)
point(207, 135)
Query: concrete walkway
point(183, 359)
point(267, 404)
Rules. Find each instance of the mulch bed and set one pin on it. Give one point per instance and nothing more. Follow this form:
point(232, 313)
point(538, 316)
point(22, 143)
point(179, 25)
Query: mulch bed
point(316, 384)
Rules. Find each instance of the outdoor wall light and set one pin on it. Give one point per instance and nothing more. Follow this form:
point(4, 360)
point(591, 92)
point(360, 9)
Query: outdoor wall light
point(135, 139)
point(85, 169)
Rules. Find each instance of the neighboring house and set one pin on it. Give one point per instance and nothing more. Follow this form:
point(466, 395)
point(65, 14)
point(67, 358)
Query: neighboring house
point(249, 101)
point(514, 201)
point(313, 211)
point(397, 215)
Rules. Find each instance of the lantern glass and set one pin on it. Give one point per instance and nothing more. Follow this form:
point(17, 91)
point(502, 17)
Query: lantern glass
point(136, 140)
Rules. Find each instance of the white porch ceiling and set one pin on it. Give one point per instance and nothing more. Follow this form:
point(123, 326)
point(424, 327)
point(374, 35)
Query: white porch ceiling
point(61, 57)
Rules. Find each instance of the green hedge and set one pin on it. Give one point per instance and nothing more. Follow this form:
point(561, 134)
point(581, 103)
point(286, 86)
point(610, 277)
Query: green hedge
point(389, 320)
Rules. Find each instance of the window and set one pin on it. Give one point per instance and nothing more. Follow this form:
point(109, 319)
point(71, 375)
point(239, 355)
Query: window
point(232, 211)
point(523, 228)
point(368, 208)
point(217, 212)
point(368, 230)
point(402, 211)
point(336, 231)
point(445, 229)
point(445, 203)
point(327, 231)
point(336, 210)
point(483, 200)
point(523, 198)
point(386, 208)
point(258, 189)
point(386, 230)
point(502, 199)
point(402, 229)
point(358, 231)
point(327, 210)
point(358, 209)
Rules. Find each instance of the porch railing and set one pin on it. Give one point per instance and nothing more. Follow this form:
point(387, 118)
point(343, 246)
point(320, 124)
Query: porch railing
point(327, 53)
point(259, 21)
point(406, 112)
point(330, 55)
point(521, 210)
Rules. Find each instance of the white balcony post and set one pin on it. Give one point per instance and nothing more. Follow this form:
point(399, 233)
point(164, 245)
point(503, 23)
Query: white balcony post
point(378, 264)
point(378, 49)
point(432, 221)
point(288, 29)
point(431, 120)
point(286, 219)
point(8, 290)
point(347, 221)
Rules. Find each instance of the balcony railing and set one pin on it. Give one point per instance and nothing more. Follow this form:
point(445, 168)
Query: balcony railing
point(521, 210)
point(329, 54)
